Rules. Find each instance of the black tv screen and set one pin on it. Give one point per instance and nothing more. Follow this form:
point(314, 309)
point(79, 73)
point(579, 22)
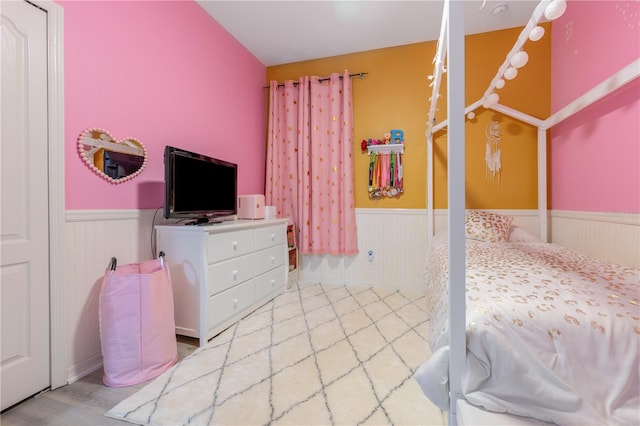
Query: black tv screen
point(198, 186)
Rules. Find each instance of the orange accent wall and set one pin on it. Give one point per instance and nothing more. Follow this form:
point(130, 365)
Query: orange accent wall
point(395, 95)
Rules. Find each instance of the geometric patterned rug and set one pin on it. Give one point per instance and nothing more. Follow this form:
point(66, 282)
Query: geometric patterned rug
point(321, 354)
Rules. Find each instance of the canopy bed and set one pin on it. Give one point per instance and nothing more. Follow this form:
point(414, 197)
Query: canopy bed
point(495, 345)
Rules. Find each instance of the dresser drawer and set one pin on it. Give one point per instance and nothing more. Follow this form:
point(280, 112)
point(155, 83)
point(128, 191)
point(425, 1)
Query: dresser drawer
point(231, 272)
point(224, 305)
point(270, 282)
point(269, 258)
point(269, 236)
point(225, 245)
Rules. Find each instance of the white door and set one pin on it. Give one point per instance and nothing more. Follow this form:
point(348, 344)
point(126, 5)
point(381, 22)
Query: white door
point(24, 239)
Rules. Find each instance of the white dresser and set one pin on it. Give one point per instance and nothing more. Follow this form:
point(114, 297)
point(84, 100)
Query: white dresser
point(222, 272)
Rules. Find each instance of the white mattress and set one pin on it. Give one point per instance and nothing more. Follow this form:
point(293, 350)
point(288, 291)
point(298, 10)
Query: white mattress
point(551, 334)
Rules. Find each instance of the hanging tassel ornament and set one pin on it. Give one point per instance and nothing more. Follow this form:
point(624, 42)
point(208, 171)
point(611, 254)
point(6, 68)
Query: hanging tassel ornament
point(492, 151)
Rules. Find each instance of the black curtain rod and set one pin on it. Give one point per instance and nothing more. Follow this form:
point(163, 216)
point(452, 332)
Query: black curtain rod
point(359, 74)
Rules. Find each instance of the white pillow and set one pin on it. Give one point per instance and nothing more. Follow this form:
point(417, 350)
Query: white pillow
point(521, 235)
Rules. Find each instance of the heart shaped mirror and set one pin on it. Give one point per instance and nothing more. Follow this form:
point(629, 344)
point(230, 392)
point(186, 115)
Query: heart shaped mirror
point(114, 161)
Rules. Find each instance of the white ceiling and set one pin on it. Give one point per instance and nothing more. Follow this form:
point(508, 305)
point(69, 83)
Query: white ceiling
point(280, 32)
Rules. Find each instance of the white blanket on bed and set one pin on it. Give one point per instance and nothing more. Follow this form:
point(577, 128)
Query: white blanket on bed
point(551, 334)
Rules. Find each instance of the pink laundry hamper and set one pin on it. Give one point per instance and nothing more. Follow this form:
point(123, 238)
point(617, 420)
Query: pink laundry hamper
point(137, 326)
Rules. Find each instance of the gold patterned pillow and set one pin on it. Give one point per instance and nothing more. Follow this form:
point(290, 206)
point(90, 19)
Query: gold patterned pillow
point(487, 226)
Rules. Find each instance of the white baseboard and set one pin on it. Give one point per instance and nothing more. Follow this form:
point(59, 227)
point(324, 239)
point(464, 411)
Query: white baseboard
point(87, 366)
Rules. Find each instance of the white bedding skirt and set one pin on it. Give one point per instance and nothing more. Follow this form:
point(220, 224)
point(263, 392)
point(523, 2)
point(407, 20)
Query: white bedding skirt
point(468, 414)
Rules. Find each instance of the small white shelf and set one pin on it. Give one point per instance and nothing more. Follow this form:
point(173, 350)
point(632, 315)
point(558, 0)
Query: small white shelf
point(387, 148)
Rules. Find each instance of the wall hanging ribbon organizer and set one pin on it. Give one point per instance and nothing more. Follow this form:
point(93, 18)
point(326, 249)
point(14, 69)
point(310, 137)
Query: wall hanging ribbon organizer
point(385, 165)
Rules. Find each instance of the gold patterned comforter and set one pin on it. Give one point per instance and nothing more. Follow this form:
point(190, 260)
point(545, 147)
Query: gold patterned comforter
point(551, 334)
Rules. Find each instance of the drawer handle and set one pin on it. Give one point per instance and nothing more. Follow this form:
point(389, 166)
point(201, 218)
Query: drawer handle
point(235, 275)
point(273, 283)
point(235, 303)
point(235, 245)
point(273, 259)
point(273, 237)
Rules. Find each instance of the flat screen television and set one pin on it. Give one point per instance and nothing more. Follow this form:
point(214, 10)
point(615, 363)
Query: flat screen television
point(199, 187)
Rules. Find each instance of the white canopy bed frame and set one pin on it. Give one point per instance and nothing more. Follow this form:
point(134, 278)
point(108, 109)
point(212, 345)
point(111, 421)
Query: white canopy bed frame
point(451, 40)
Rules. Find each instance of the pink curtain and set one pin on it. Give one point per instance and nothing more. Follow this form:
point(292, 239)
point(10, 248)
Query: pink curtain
point(310, 162)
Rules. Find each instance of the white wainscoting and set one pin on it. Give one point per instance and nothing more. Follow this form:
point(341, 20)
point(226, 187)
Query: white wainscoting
point(396, 236)
point(398, 239)
point(614, 237)
point(92, 237)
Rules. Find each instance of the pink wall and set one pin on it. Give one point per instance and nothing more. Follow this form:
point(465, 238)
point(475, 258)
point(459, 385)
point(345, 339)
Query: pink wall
point(165, 73)
point(595, 155)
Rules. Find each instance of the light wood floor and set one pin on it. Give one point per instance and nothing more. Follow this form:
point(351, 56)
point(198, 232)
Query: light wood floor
point(81, 403)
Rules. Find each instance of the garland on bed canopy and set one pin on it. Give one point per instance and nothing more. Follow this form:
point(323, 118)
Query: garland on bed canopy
point(516, 58)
